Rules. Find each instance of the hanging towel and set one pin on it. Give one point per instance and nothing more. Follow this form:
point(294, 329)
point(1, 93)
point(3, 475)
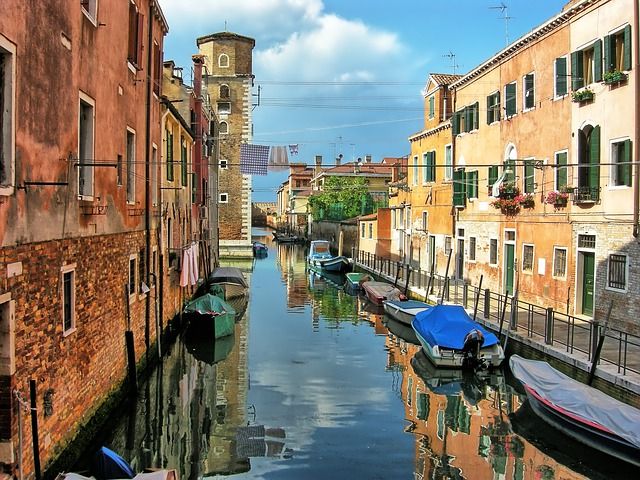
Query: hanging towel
point(186, 266)
point(278, 159)
point(193, 272)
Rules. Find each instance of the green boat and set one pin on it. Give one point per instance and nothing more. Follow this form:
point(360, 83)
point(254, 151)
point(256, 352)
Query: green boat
point(355, 279)
point(211, 312)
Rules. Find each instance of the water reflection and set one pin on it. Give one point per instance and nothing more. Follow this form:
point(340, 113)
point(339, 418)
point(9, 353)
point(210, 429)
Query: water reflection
point(316, 383)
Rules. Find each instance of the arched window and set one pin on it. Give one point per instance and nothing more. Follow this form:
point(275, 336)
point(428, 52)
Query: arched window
point(588, 164)
point(223, 60)
point(511, 154)
point(224, 91)
point(224, 128)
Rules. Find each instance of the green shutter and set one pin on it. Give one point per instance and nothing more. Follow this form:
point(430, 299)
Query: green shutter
point(183, 161)
point(169, 156)
point(476, 115)
point(431, 170)
point(529, 176)
point(510, 99)
point(561, 76)
point(609, 55)
point(597, 61)
point(625, 171)
point(561, 170)
point(497, 109)
point(489, 110)
point(458, 188)
point(467, 118)
point(431, 106)
point(626, 61)
point(577, 73)
point(529, 92)
point(493, 175)
point(455, 124)
point(594, 157)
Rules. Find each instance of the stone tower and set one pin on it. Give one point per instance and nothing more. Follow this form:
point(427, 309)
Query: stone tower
point(228, 79)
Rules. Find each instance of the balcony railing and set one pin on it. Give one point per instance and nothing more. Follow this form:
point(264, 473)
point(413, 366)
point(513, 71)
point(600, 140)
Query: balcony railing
point(586, 195)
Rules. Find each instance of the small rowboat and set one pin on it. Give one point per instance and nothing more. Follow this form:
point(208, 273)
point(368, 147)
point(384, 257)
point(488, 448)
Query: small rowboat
point(378, 292)
point(404, 311)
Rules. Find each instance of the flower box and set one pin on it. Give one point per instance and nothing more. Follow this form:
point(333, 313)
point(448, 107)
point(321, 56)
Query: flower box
point(616, 76)
point(557, 198)
point(583, 95)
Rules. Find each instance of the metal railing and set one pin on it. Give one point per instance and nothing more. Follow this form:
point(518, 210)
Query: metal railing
point(541, 324)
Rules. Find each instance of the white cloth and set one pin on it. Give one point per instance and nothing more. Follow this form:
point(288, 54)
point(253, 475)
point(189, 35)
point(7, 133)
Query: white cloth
point(193, 272)
point(186, 266)
point(495, 190)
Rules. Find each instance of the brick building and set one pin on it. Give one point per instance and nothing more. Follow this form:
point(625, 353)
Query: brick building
point(78, 197)
point(228, 80)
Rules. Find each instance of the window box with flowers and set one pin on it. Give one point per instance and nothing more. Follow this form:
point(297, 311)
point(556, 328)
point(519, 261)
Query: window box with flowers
point(557, 198)
point(508, 191)
point(526, 201)
point(512, 201)
point(613, 77)
point(582, 95)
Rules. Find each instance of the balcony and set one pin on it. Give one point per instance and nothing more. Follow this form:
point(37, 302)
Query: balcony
point(584, 195)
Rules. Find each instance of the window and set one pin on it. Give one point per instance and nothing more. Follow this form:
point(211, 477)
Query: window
point(527, 258)
point(363, 230)
point(131, 166)
point(472, 249)
point(425, 221)
point(561, 169)
point(493, 108)
point(617, 50)
point(119, 170)
point(86, 142)
point(224, 108)
point(466, 119)
point(429, 166)
point(587, 241)
point(183, 160)
point(136, 26)
point(621, 163)
point(154, 175)
point(223, 60)
point(559, 262)
point(7, 114)
point(528, 91)
point(509, 235)
point(131, 285)
point(492, 177)
point(157, 69)
point(224, 128)
point(529, 176)
point(617, 272)
point(68, 273)
point(459, 191)
point(432, 107)
point(224, 91)
point(90, 9)
point(447, 245)
point(493, 251)
point(224, 164)
point(223, 198)
point(510, 99)
point(370, 229)
point(415, 171)
point(588, 164)
point(586, 65)
point(560, 87)
point(472, 184)
point(448, 162)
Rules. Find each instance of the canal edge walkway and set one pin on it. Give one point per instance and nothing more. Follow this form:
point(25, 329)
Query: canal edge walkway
point(629, 382)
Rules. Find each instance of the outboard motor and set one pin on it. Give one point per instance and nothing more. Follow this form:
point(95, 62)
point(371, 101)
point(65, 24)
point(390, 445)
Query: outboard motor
point(472, 344)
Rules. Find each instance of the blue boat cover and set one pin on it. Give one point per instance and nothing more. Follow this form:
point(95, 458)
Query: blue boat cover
point(447, 326)
point(107, 464)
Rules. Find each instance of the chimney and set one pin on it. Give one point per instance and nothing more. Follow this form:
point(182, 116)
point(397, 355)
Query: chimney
point(338, 160)
point(367, 158)
point(318, 165)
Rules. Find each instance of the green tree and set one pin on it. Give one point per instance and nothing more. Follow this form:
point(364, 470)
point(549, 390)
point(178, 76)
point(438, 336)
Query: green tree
point(342, 197)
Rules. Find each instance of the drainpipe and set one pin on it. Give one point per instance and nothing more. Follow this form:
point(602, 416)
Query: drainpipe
point(636, 73)
point(147, 177)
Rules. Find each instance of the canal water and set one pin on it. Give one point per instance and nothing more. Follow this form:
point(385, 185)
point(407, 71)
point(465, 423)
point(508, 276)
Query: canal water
point(317, 384)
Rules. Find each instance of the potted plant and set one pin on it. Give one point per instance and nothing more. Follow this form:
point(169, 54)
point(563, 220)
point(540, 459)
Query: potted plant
point(526, 201)
point(613, 76)
point(508, 190)
point(557, 198)
point(582, 95)
point(508, 206)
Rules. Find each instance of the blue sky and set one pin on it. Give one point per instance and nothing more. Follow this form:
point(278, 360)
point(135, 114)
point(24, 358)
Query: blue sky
point(345, 76)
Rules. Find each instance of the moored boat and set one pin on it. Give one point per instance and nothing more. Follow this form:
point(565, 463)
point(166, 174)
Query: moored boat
point(356, 279)
point(260, 250)
point(451, 339)
point(378, 292)
point(320, 257)
point(231, 279)
point(580, 411)
point(404, 311)
point(210, 312)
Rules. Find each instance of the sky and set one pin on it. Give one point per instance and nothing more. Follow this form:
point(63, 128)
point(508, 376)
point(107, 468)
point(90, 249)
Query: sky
point(346, 76)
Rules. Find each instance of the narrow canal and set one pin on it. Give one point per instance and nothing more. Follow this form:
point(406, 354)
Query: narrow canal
point(314, 384)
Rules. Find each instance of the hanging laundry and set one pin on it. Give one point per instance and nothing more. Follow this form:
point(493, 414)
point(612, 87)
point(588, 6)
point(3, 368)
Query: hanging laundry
point(254, 159)
point(293, 149)
point(278, 159)
point(193, 272)
point(186, 266)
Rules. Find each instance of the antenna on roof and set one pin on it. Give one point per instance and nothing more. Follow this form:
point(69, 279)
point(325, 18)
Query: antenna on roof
point(505, 16)
point(452, 57)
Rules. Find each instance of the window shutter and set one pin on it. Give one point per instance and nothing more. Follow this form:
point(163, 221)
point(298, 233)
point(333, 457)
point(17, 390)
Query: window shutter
point(139, 40)
point(561, 170)
point(626, 168)
point(169, 156)
point(597, 61)
point(577, 73)
point(529, 92)
point(183, 159)
point(455, 124)
point(594, 157)
point(626, 61)
point(458, 188)
point(131, 48)
point(529, 176)
point(561, 76)
point(609, 55)
point(510, 99)
point(493, 175)
point(433, 166)
point(468, 114)
point(489, 110)
point(431, 106)
point(476, 115)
